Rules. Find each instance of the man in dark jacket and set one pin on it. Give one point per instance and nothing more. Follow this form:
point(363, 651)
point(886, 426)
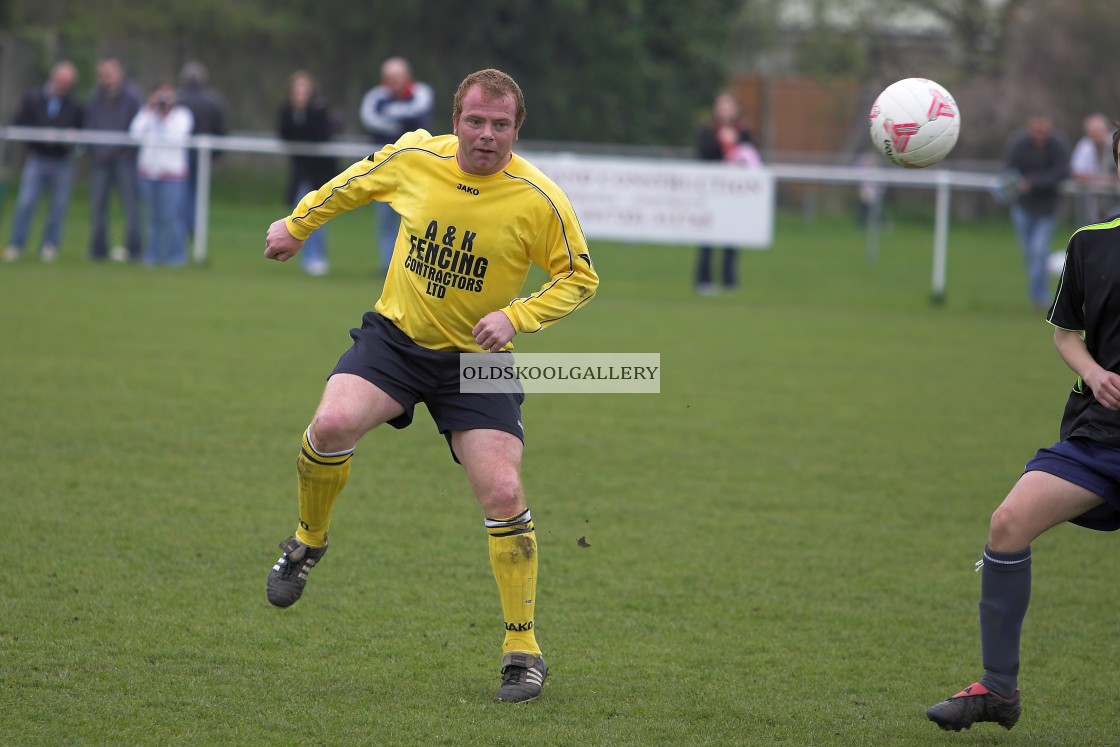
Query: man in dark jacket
point(48, 166)
point(1041, 158)
point(113, 105)
point(209, 111)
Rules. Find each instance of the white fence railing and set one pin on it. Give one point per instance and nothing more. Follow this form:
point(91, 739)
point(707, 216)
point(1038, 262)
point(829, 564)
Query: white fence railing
point(941, 181)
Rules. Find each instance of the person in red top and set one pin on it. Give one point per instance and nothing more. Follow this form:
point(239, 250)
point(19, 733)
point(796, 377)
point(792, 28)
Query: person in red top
point(723, 139)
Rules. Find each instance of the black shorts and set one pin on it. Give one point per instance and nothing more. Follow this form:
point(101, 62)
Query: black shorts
point(388, 358)
point(1091, 465)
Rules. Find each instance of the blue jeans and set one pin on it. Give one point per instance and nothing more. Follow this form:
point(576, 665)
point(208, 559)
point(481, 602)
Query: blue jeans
point(1035, 232)
point(54, 174)
point(315, 247)
point(388, 225)
point(120, 172)
point(167, 235)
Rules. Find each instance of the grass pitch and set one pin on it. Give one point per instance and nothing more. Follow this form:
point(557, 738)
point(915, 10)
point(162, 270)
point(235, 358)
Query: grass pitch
point(780, 544)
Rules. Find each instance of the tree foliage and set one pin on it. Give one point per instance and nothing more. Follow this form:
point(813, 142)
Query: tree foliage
point(614, 71)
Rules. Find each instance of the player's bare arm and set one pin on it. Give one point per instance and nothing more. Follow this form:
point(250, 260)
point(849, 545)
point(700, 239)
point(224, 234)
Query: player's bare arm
point(1104, 383)
point(279, 244)
point(493, 331)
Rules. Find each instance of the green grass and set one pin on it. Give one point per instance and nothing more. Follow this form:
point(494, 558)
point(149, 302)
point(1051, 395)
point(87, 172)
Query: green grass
point(781, 542)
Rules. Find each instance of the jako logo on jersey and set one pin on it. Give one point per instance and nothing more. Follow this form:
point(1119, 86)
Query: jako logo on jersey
point(465, 188)
point(520, 627)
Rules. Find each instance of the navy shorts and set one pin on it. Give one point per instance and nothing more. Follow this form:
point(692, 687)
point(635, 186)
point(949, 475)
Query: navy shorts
point(1091, 465)
point(386, 357)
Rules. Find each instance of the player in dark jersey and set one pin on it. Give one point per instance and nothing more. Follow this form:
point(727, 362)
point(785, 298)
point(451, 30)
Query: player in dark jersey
point(1076, 479)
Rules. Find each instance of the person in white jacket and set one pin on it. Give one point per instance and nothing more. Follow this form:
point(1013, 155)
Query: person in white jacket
point(162, 127)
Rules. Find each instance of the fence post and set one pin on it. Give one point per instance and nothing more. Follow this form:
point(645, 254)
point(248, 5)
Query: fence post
point(875, 224)
point(202, 198)
point(940, 239)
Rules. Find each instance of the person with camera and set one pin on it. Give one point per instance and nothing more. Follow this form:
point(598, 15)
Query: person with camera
point(163, 127)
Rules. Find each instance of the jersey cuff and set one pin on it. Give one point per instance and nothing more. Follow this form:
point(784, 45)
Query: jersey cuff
point(512, 319)
point(1052, 323)
point(297, 230)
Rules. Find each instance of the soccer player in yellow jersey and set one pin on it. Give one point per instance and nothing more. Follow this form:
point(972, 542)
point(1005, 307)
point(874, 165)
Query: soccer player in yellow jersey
point(474, 216)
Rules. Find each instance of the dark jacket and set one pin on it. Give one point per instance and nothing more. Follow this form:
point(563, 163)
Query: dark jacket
point(313, 125)
point(1044, 167)
point(114, 114)
point(207, 108)
point(34, 111)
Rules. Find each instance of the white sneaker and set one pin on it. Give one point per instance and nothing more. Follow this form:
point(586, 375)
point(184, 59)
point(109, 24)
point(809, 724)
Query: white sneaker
point(11, 254)
point(318, 268)
point(49, 253)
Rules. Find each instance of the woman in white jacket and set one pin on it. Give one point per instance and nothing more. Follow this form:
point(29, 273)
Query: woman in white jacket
point(162, 128)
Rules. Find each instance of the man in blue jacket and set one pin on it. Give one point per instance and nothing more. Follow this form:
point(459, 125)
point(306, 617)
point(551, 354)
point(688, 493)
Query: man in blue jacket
point(395, 106)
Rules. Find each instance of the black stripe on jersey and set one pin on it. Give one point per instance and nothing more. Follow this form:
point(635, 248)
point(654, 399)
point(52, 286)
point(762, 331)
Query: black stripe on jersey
point(567, 248)
point(373, 168)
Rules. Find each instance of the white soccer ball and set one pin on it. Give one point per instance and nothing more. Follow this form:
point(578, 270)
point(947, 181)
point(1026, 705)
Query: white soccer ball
point(914, 123)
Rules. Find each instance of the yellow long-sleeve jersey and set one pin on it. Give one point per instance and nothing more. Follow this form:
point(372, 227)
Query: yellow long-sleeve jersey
point(465, 242)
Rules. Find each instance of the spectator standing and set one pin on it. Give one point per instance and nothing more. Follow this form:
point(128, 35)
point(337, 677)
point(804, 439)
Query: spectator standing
point(1091, 165)
point(397, 105)
point(208, 110)
point(725, 139)
point(871, 192)
point(113, 106)
point(1040, 156)
point(304, 118)
point(162, 126)
point(49, 166)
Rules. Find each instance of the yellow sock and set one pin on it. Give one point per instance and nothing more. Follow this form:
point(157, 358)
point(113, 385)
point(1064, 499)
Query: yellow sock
point(321, 478)
point(513, 556)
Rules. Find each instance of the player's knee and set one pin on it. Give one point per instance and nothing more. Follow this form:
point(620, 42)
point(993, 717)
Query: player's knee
point(1005, 530)
point(504, 498)
point(333, 431)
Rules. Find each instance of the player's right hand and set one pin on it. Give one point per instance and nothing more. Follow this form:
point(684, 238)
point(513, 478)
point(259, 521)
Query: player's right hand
point(279, 244)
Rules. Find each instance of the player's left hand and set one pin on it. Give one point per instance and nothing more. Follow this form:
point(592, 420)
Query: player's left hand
point(1106, 388)
point(493, 331)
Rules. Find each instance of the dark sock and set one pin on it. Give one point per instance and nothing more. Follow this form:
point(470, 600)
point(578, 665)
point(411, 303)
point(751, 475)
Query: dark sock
point(1005, 592)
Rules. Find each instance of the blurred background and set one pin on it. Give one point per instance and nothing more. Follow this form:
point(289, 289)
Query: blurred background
point(630, 77)
point(624, 72)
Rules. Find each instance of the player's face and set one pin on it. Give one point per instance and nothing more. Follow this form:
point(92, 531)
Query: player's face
point(486, 133)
